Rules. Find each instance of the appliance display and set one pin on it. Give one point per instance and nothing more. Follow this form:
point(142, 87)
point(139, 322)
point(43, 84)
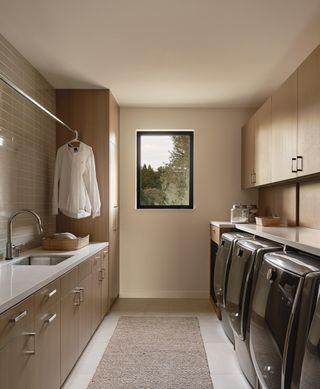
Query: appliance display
point(245, 260)
point(221, 272)
point(282, 308)
point(310, 376)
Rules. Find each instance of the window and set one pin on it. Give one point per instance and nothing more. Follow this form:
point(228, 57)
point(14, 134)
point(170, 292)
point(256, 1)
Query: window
point(165, 169)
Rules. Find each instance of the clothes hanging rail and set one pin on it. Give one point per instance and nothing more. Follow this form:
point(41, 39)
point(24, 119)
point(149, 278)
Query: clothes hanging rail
point(22, 93)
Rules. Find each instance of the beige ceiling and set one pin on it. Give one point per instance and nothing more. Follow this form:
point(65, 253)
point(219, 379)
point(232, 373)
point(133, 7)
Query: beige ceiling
point(220, 53)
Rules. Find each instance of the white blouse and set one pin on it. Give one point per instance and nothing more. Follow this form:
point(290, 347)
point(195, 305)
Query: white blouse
point(75, 190)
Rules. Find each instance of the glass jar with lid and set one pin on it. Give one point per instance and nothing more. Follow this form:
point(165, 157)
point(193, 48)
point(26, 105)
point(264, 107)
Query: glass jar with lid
point(239, 214)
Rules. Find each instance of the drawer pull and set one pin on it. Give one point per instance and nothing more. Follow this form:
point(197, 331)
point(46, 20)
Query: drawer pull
point(19, 317)
point(100, 275)
point(33, 335)
point(77, 294)
point(51, 318)
point(81, 290)
point(52, 293)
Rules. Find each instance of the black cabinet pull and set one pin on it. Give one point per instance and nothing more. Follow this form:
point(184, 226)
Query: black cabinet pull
point(300, 163)
point(294, 169)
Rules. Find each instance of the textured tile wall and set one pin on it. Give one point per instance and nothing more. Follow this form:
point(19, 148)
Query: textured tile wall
point(27, 149)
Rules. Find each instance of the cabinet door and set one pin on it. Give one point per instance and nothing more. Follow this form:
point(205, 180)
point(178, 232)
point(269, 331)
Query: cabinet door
point(113, 216)
point(309, 114)
point(85, 312)
point(48, 347)
point(96, 290)
point(284, 130)
point(70, 303)
point(105, 283)
point(18, 347)
point(47, 323)
point(247, 154)
point(262, 145)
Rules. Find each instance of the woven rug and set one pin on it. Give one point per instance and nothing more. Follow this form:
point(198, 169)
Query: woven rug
point(154, 353)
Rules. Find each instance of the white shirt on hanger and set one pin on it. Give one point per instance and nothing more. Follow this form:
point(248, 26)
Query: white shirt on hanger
point(75, 190)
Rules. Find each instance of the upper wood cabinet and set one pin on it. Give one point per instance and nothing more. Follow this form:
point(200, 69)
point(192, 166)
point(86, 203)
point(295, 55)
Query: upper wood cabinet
point(284, 130)
point(309, 115)
point(283, 136)
point(262, 145)
point(247, 154)
point(256, 148)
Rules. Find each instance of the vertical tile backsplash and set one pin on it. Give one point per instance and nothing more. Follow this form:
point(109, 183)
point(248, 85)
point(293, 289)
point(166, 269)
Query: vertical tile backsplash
point(27, 148)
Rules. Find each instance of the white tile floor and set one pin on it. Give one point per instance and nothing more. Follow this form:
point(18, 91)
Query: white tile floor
point(224, 368)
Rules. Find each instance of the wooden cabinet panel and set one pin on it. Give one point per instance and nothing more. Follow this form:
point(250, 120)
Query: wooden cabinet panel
point(309, 113)
point(284, 129)
point(85, 312)
point(70, 303)
point(262, 145)
point(48, 347)
point(247, 154)
point(96, 290)
point(114, 201)
point(47, 296)
point(17, 350)
point(105, 301)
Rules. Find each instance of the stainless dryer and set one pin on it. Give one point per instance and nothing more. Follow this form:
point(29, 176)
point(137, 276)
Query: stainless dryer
point(281, 313)
point(246, 257)
point(310, 377)
point(221, 271)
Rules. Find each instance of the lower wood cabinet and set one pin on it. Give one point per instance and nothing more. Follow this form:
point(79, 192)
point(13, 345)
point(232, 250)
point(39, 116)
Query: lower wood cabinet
point(17, 346)
point(42, 337)
point(105, 295)
point(47, 329)
point(70, 302)
point(85, 312)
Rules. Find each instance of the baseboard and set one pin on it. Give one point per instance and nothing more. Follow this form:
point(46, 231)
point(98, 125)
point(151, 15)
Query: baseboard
point(196, 294)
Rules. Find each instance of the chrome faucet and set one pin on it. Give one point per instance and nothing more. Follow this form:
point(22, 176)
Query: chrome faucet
point(10, 246)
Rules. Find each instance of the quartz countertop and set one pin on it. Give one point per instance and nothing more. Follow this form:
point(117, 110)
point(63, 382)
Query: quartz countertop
point(17, 282)
point(301, 238)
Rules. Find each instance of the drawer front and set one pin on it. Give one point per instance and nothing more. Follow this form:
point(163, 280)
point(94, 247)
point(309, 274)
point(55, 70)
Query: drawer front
point(215, 234)
point(48, 295)
point(85, 268)
point(18, 319)
point(97, 261)
point(69, 281)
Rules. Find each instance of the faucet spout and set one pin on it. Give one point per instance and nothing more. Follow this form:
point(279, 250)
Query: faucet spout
point(10, 246)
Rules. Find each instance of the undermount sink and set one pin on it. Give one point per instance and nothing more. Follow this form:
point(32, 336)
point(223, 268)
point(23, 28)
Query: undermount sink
point(42, 260)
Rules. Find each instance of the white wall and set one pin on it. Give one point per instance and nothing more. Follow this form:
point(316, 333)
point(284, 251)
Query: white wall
point(165, 253)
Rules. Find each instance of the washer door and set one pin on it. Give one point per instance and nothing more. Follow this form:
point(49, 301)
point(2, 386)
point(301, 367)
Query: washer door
point(220, 269)
point(272, 324)
point(310, 377)
point(239, 280)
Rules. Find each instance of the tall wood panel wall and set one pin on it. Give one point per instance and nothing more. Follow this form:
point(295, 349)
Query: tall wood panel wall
point(95, 114)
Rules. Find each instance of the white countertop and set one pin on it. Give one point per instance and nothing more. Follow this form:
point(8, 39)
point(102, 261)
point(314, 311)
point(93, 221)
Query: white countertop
point(301, 238)
point(222, 224)
point(18, 282)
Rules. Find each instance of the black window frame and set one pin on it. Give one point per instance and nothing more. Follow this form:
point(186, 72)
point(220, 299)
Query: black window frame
point(138, 168)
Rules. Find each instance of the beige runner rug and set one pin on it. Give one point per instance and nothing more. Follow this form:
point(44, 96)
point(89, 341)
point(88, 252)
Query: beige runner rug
point(154, 353)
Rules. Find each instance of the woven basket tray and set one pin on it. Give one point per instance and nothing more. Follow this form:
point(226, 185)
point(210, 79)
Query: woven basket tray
point(268, 221)
point(65, 244)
